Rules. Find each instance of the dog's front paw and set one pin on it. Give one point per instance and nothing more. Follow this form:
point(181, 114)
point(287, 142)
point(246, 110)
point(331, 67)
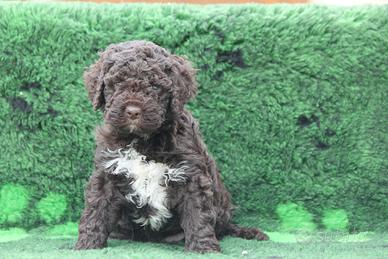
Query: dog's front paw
point(203, 246)
point(84, 244)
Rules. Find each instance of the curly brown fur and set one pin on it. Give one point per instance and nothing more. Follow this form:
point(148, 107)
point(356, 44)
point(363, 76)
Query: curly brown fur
point(142, 90)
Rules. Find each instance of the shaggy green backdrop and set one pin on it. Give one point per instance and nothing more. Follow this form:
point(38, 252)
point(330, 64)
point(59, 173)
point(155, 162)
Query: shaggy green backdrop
point(292, 104)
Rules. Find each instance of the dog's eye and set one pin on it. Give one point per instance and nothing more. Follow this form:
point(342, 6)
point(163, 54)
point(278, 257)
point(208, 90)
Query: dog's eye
point(155, 87)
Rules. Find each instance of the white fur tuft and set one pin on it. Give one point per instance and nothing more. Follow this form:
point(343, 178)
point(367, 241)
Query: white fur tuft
point(149, 182)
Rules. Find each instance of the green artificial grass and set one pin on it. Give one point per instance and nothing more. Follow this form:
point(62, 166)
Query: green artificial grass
point(292, 104)
point(41, 244)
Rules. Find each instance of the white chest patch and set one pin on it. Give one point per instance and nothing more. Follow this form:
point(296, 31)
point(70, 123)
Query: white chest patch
point(149, 183)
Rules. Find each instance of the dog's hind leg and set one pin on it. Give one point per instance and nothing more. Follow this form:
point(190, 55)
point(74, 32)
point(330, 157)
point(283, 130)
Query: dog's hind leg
point(246, 233)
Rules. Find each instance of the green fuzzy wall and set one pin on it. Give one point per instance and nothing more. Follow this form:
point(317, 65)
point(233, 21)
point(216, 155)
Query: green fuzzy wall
point(292, 104)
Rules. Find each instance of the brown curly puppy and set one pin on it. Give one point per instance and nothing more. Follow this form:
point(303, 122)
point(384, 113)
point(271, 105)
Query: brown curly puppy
point(154, 179)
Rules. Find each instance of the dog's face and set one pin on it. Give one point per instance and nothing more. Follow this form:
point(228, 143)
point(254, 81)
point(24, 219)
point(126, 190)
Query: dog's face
point(137, 94)
point(139, 86)
point(136, 106)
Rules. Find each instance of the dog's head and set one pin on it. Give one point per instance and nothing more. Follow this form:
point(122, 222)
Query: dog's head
point(140, 86)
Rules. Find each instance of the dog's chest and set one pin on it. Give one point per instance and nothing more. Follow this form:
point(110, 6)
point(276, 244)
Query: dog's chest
point(148, 185)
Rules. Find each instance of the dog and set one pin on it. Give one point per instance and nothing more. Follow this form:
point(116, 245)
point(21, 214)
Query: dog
point(154, 179)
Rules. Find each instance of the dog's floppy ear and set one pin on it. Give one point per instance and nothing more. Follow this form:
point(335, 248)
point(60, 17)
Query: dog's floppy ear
point(185, 85)
point(94, 83)
point(94, 79)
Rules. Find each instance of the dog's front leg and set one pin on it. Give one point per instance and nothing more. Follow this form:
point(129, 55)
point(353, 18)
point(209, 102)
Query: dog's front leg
point(198, 216)
point(100, 214)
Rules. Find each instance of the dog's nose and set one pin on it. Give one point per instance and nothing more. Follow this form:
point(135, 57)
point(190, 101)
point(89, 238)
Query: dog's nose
point(133, 112)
